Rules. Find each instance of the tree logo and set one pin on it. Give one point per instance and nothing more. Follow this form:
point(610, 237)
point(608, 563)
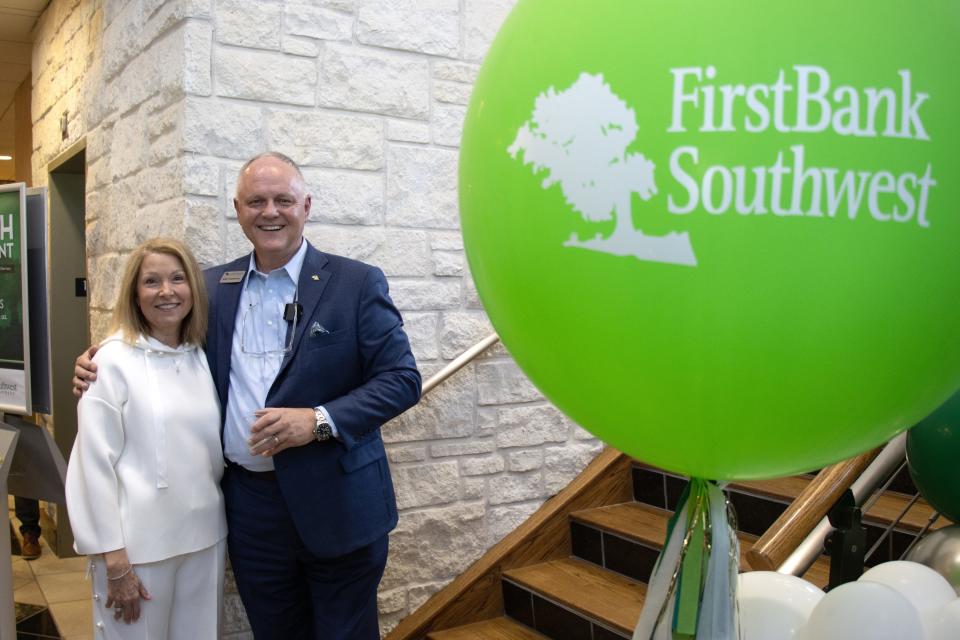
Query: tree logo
point(580, 136)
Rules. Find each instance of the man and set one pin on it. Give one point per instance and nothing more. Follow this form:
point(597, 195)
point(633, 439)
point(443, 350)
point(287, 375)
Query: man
point(27, 511)
point(309, 358)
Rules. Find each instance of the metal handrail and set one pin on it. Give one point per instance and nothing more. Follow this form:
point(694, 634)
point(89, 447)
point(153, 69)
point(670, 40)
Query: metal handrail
point(459, 363)
point(807, 552)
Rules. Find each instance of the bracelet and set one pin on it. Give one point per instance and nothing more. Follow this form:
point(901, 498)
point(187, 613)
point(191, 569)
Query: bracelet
point(122, 575)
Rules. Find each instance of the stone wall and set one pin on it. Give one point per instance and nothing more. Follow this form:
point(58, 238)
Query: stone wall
point(369, 97)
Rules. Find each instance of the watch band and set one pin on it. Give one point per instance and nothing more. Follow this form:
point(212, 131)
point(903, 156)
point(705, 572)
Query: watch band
point(322, 430)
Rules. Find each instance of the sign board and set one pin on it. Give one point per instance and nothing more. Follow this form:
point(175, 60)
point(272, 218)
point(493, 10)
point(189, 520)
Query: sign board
point(14, 317)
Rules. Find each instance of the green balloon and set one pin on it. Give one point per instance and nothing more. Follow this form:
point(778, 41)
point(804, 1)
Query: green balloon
point(723, 236)
point(933, 449)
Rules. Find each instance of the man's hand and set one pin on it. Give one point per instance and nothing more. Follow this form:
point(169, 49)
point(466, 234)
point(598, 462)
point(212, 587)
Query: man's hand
point(278, 428)
point(84, 371)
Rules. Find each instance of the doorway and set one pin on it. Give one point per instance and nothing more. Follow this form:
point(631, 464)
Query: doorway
point(69, 314)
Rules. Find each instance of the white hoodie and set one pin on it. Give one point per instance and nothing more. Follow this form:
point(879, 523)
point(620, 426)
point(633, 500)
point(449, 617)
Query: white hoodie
point(146, 465)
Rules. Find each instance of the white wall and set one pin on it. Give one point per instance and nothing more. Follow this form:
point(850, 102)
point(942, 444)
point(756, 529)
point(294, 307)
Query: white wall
point(369, 97)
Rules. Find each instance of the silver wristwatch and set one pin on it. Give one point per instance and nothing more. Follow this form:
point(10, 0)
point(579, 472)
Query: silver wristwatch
point(322, 431)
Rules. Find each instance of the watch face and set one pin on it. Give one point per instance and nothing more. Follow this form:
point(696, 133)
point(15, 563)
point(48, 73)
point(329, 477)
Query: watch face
point(322, 431)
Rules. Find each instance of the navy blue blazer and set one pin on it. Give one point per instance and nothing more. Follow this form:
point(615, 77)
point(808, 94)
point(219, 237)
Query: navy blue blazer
point(360, 369)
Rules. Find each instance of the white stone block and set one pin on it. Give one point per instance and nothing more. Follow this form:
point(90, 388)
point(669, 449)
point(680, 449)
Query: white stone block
point(531, 426)
point(421, 593)
point(482, 465)
point(387, 83)
point(446, 241)
point(254, 25)
point(344, 197)
point(503, 382)
point(563, 464)
point(447, 263)
point(522, 461)
point(391, 600)
point(434, 543)
point(397, 252)
point(474, 489)
point(422, 295)
point(204, 229)
point(448, 124)
point(129, 146)
point(422, 26)
point(579, 433)
point(300, 46)
point(504, 519)
point(308, 19)
point(482, 20)
point(460, 448)
point(455, 71)
point(201, 176)
point(422, 187)
point(317, 138)
point(452, 92)
point(460, 330)
point(421, 329)
point(197, 56)
point(446, 412)
point(158, 183)
point(224, 129)
point(471, 297)
point(413, 453)
point(426, 485)
point(103, 285)
point(408, 131)
point(515, 488)
point(264, 76)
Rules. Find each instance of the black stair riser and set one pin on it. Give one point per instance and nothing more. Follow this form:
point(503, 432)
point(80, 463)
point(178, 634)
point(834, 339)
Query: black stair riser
point(612, 552)
point(550, 619)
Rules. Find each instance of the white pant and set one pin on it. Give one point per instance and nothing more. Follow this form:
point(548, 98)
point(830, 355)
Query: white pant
point(186, 598)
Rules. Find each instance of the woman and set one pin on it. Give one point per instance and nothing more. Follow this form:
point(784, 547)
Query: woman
point(143, 479)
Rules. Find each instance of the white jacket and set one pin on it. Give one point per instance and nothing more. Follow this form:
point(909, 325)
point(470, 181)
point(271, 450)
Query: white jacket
point(146, 465)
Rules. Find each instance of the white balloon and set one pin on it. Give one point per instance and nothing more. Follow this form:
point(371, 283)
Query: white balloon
point(926, 589)
point(944, 623)
point(863, 611)
point(774, 606)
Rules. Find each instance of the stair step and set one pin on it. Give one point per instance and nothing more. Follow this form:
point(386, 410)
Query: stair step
point(496, 629)
point(604, 598)
point(646, 526)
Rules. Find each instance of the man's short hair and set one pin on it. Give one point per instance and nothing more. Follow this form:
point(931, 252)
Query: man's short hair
point(272, 154)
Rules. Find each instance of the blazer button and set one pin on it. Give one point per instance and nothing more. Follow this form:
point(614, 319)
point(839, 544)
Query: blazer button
point(96, 597)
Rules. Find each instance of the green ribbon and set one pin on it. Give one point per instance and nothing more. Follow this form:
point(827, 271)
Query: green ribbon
point(694, 559)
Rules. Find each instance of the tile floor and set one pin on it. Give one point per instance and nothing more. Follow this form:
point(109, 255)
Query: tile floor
point(57, 583)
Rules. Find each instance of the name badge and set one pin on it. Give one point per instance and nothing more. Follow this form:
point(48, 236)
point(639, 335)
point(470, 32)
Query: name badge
point(232, 277)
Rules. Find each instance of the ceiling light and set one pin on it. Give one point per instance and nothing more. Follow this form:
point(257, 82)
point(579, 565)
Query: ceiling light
point(6, 157)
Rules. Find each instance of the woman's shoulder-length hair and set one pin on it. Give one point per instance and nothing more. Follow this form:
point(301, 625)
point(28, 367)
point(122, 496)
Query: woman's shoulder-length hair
point(127, 316)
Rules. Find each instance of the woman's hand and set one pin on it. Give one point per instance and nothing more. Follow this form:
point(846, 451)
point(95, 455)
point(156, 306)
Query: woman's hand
point(124, 589)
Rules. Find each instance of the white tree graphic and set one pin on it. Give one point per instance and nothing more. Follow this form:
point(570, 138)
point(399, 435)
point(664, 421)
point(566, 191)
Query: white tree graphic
point(580, 136)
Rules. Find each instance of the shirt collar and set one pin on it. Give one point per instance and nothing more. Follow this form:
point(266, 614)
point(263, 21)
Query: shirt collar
point(293, 267)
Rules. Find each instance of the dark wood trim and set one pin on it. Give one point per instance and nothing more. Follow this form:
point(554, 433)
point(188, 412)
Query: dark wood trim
point(475, 594)
point(809, 508)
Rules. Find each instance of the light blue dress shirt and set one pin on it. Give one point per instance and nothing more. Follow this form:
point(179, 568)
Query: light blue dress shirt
point(260, 336)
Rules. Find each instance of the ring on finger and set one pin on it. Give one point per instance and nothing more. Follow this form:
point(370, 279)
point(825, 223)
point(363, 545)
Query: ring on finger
point(276, 439)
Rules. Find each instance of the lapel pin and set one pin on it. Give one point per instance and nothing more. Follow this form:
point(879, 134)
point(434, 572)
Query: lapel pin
point(315, 277)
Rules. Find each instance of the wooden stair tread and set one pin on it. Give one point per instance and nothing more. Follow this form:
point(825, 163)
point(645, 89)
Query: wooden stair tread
point(635, 521)
point(590, 590)
point(889, 505)
point(647, 525)
point(495, 629)
point(782, 489)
